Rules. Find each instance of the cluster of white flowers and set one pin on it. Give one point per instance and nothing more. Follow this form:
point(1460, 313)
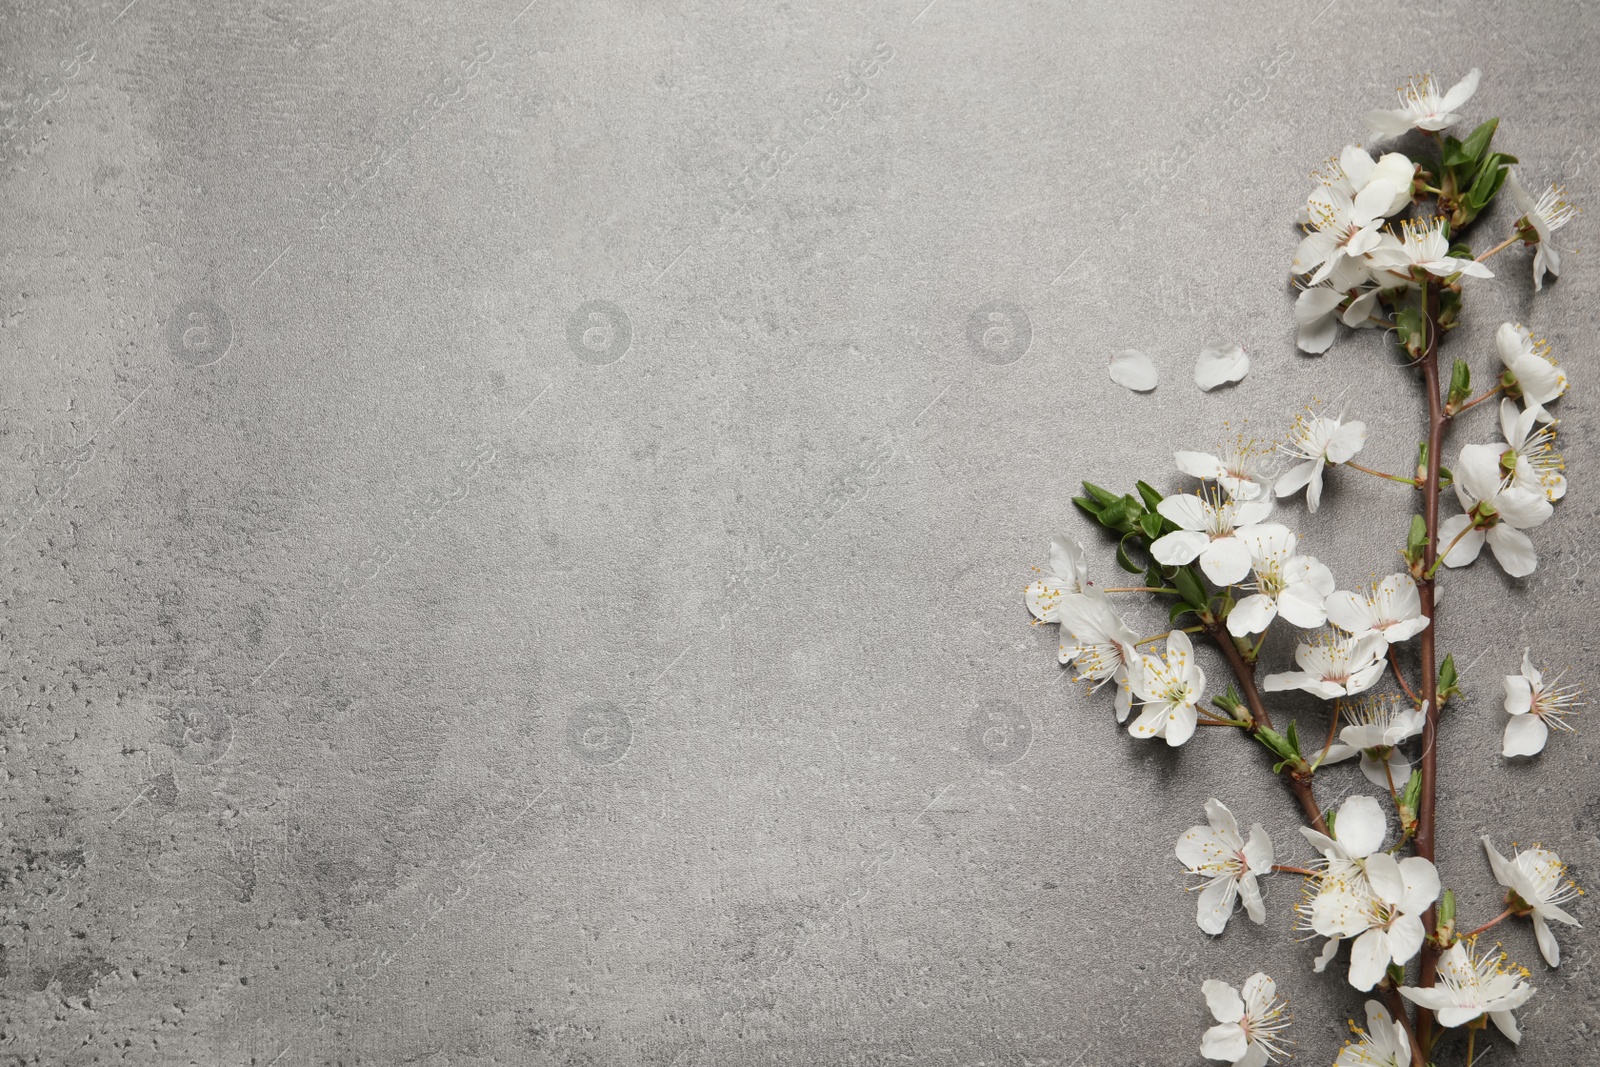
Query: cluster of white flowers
point(1362, 264)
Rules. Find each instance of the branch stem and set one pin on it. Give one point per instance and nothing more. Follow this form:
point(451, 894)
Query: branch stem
point(1394, 662)
point(1498, 918)
point(1397, 1008)
point(1380, 474)
point(1480, 398)
point(1503, 245)
point(1428, 653)
point(1245, 673)
point(1141, 589)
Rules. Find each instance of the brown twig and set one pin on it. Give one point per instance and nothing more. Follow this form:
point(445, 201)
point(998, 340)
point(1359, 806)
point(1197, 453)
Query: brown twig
point(1397, 1008)
point(1245, 673)
point(1429, 966)
point(1474, 933)
point(1394, 662)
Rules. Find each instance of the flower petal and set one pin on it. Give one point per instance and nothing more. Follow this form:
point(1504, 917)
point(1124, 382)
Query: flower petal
point(1220, 363)
point(1132, 369)
point(1224, 1001)
point(1525, 736)
point(1512, 549)
point(1361, 826)
point(1225, 560)
point(1369, 957)
point(1179, 546)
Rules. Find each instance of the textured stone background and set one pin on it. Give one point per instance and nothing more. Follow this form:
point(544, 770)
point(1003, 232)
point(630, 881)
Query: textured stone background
point(472, 595)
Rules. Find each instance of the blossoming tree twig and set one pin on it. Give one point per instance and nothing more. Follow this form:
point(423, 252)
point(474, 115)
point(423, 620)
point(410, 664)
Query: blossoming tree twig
point(1219, 560)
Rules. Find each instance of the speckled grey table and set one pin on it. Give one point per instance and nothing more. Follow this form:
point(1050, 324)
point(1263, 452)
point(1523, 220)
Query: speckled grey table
point(516, 519)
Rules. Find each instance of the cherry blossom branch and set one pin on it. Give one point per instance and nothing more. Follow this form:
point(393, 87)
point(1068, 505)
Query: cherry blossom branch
point(1245, 673)
point(1428, 652)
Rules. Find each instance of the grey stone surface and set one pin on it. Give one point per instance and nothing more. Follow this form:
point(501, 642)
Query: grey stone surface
point(481, 589)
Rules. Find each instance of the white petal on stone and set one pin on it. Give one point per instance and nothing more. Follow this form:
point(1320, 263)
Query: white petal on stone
point(1219, 364)
point(1132, 369)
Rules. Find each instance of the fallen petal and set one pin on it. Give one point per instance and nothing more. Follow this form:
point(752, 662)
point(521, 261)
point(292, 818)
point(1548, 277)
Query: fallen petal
point(1219, 364)
point(1132, 369)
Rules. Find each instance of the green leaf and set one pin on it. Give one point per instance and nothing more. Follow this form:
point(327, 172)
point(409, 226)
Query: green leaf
point(1114, 516)
point(1460, 386)
point(1229, 702)
point(1150, 523)
point(1411, 332)
point(1101, 496)
point(1280, 746)
point(1189, 587)
point(1294, 738)
point(1124, 560)
point(1454, 154)
point(1448, 681)
point(1088, 507)
point(1417, 539)
point(1178, 610)
point(1151, 498)
point(1447, 908)
point(1328, 818)
point(1477, 142)
point(1411, 795)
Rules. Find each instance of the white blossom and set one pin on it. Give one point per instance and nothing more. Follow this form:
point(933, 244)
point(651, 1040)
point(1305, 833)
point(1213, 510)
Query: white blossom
point(1423, 246)
point(1228, 864)
point(1378, 727)
point(1101, 646)
point(1423, 107)
point(1333, 666)
point(1531, 454)
point(1208, 531)
point(1237, 468)
point(1393, 609)
point(1470, 986)
point(1170, 687)
point(1496, 514)
point(1537, 885)
point(1535, 707)
point(1533, 375)
point(1286, 583)
point(1384, 1042)
point(1249, 1030)
point(1543, 217)
point(1318, 441)
point(1069, 575)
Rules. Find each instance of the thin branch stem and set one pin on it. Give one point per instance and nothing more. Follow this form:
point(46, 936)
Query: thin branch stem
point(1394, 662)
point(1141, 589)
point(1507, 243)
point(1498, 918)
point(1380, 474)
point(1480, 398)
point(1333, 731)
point(1453, 543)
point(1160, 637)
point(1397, 1008)
point(1245, 673)
point(1284, 868)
